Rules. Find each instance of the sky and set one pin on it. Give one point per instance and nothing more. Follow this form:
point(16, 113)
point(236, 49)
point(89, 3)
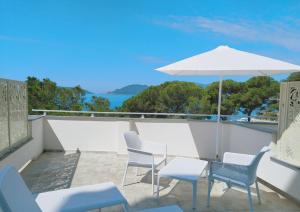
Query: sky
point(107, 44)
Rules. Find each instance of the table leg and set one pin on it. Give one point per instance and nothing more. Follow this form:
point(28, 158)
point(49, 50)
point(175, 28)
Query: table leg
point(157, 187)
point(194, 194)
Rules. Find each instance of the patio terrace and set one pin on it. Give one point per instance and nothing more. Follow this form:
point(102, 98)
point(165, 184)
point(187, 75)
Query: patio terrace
point(50, 160)
point(56, 170)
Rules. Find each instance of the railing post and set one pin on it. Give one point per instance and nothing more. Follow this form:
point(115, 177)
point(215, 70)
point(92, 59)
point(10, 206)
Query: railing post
point(45, 113)
point(92, 115)
point(142, 116)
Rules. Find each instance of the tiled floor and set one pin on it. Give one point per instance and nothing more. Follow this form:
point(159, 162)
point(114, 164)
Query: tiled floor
point(56, 170)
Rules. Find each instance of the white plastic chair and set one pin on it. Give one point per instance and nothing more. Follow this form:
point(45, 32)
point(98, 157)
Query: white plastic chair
point(144, 154)
point(237, 170)
point(16, 197)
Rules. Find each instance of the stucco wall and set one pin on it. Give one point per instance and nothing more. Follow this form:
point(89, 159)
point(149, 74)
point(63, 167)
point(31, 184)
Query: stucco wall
point(184, 138)
point(83, 134)
point(245, 140)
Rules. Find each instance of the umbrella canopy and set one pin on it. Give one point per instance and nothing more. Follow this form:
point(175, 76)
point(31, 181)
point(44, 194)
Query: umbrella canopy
point(226, 61)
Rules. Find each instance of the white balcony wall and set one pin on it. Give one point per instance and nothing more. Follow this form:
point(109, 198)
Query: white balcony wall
point(184, 138)
point(29, 151)
point(83, 133)
point(244, 140)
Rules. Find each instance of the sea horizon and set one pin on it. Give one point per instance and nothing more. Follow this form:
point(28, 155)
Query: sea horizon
point(115, 100)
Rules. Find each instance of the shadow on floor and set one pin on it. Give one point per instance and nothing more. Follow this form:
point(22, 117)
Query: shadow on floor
point(60, 168)
point(223, 199)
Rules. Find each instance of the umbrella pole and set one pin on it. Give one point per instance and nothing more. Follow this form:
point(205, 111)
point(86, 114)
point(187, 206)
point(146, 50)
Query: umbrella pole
point(219, 117)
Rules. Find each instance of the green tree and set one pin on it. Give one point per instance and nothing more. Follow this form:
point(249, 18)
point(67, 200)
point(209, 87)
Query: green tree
point(193, 105)
point(175, 96)
point(147, 101)
point(230, 91)
point(258, 92)
point(41, 94)
point(186, 97)
point(99, 104)
point(70, 98)
point(169, 97)
point(294, 77)
point(47, 95)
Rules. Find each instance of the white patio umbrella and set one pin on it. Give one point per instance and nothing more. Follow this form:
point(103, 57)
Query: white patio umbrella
point(225, 61)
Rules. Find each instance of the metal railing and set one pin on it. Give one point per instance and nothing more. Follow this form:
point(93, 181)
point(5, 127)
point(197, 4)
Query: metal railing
point(141, 114)
point(146, 114)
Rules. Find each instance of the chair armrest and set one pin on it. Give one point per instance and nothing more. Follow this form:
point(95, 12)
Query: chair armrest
point(217, 167)
point(155, 148)
point(140, 157)
point(237, 158)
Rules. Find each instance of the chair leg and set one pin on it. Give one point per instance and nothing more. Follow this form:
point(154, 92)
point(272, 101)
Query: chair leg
point(208, 192)
point(206, 171)
point(152, 180)
point(257, 192)
point(250, 199)
point(124, 176)
point(194, 195)
point(228, 185)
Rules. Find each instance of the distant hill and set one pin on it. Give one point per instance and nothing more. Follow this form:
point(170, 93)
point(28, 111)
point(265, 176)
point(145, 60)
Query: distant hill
point(88, 92)
point(130, 89)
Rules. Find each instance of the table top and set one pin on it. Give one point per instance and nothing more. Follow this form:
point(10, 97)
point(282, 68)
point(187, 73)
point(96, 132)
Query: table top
point(184, 169)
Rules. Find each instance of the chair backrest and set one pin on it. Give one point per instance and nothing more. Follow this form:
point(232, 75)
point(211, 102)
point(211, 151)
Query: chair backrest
point(132, 140)
point(14, 194)
point(254, 163)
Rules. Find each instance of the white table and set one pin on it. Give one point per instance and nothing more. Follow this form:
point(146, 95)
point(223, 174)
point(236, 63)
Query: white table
point(186, 169)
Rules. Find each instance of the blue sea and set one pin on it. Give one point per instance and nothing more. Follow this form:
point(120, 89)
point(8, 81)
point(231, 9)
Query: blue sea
point(116, 100)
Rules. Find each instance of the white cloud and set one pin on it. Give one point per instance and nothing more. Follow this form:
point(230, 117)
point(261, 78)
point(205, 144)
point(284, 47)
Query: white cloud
point(285, 33)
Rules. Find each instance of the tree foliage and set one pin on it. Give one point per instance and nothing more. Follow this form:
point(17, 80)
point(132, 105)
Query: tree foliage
point(230, 91)
point(258, 92)
point(47, 95)
point(169, 97)
point(187, 97)
point(98, 104)
point(293, 77)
